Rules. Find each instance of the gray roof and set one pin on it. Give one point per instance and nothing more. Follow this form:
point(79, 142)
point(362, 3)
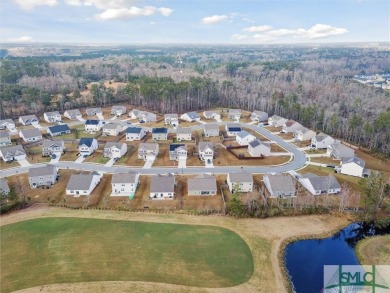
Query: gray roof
point(281, 183)
point(6, 122)
point(338, 146)
point(259, 113)
point(355, 160)
point(111, 126)
point(171, 116)
point(42, 171)
point(148, 146)
point(124, 178)
point(4, 185)
point(323, 182)
point(205, 144)
point(161, 183)
point(234, 111)
point(276, 117)
point(211, 127)
point(202, 182)
point(111, 144)
point(243, 134)
point(32, 132)
point(257, 142)
point(118, 107)
point(93, 110)
point(54, 113)
point(74, 112)
point(240, 177)
point(304, 130)
point(209, 113)
point(4, 134)
point(12, 150)
point(29, 117)
point(192, 115)
point(321, 136)
point(50, 143)
point(80, 181)
point(183, 130)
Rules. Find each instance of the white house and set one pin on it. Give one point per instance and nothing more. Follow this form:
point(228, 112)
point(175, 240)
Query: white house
point(124, 184)
point(203, 185)
point(51, 117)
point(42, 176)
point(304, 133)
point(177, 151)
point(159, 133)
point(30, 135)
point(259, 116)
point(11, 153)
point(94, 111)
point(171, 119)
point(93, 125)
point(135, 133)
point(118, 110)
point(211, 129)
point(7, 124)
point(114, 149)
point(234, 114)
point(317, 185)
point(241, 182)
point(244, 137)
point(190, 117)
point(147, 150)
point(5, 138)
point(4, 187)
point(212, 115)
point(74, 114)
point(183, 134)
point(142, 116)
point(257, 148)
point(111, 129)
point(232, 129)
point(87, 146)
point(57, 130)
point(276, 121)
point(321, 141)
point(29, 120)
point(281, 186)
point(291, 126)
point(50, 147)
point(337, 150)
point(82, 184)
point(206, 151)
point(162, 187)
point(352, 166)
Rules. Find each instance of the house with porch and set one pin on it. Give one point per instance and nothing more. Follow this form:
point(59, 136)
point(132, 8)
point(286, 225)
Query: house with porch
point(92, 125)
point(28, 120)
point(146, 150)
point(87, 146)
point(114, 150)
point(206, 151)
point(276, 121)
point(177, 151)
point(171, 119)
point(202, 185)
point(50, 147)
point(52, 117)
point(190, 117)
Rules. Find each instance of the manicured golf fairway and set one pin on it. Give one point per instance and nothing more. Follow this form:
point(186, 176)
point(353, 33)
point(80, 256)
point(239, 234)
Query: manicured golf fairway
point(58, 250)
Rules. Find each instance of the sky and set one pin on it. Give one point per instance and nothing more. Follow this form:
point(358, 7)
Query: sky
point(194, 21)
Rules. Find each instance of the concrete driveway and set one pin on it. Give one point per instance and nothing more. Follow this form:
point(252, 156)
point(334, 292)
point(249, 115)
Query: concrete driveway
point(100, 116)
point(110, 162)
point(37, 126)
point(23, 162)
point(209, 164)
point(80, 159)
point(57, 158)
point(182, 163)
point(149, 162)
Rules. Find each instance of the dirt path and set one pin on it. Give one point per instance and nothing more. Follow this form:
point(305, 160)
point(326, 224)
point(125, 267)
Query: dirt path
point(264, 237)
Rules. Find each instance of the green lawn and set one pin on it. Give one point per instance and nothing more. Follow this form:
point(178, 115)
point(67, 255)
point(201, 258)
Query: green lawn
point(58, 250)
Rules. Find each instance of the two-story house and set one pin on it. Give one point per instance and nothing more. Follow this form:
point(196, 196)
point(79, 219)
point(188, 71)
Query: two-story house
point(118, 110)
point(52, 117)
point(291, 126)
point(206, 151)
point(212, 115)
point(303, 134)
point(232, 129)
point(244, 137)
point(93, 125)
point(147, 150)
point(87, 146)
point(162, 187)
point(177, 151)
point(183, 134)
point(211, 130)
point(135, 133)
point(234, 114)
point(7, 124)
point(160, 133)
point(276, 121)
point(50, 147)
point(42, 176)
point(202, 185)
point(74, 114)
point(337, 151)
point(94, 111)
point(5, 138)
point(259, 116)
point(4, 187)
point(124, 184)
point(240, 182)
point(114, 149)
point(321, 141)
point(353, 166)
point(171, 119)
point(111, 129)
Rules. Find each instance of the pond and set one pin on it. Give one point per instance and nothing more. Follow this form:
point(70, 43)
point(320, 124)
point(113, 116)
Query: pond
point(305, 259)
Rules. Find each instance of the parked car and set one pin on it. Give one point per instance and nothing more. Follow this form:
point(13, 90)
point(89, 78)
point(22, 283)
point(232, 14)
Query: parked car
point(330, 166)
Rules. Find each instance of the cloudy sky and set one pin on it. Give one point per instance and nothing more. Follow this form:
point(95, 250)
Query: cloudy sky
point(194, 21)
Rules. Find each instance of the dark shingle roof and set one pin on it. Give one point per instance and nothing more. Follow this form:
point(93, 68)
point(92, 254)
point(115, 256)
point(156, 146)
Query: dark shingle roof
point(92, 122)
point(86, 140)
point(59, 128)
point(133, 130)
point(160, 130)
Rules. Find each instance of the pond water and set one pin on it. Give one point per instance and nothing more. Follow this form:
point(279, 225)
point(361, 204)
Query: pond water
point(305, 259)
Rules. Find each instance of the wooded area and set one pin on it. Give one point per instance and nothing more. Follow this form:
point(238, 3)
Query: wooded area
point(311, 85)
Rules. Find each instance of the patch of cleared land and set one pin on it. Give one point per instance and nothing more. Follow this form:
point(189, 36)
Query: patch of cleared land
point(263, 236)
point(374, 250)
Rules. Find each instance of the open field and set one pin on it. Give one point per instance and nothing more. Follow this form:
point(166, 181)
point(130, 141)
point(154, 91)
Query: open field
point(117, 250)
point(263, 236)
point(325, 160)
point(372, 162)
point(374, 250)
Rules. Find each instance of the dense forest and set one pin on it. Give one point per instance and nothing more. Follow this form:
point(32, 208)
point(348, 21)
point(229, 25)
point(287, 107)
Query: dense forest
point(312, 85)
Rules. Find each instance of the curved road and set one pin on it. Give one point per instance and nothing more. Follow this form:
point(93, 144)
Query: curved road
point(298, 161)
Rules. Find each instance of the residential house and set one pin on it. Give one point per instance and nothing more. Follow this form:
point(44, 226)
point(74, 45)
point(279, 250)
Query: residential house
point(177, 151)
point(162, 187)
point(50, 147)
point(135, 114)
point(143, 116)
point(279, 186)
point(57, 130)
point(147, 150)
point(11, 153)
point(118, 110)
point(183, 134)
point(114, 149)
point(234, 114)
point(259, 116)
point(51, 117)
point(206, 151)
point(211, 130)
point(135, 133)
point(317, 185)
point(74, 114)
point(30, 135)
point(111, 129)
point(94, 111)
point(190, 117)
point(7, 124)
point(171, 119)
point(321, 141)
point(124, 184)
point(303, 134)
point(4, 188)
point(160, 133)
point(93, 125)
point(240, 181)
point(42, 176)
point(337, 151)
point(212, 115)
point(82, 184)
point(5, 138)
point(232, 129)
point(277, 121)
point(257, 148)
point(87, 146)
point(291, 126)
point(203, 185)
point(244, 137)
point(353, 166)
point(29, 120)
